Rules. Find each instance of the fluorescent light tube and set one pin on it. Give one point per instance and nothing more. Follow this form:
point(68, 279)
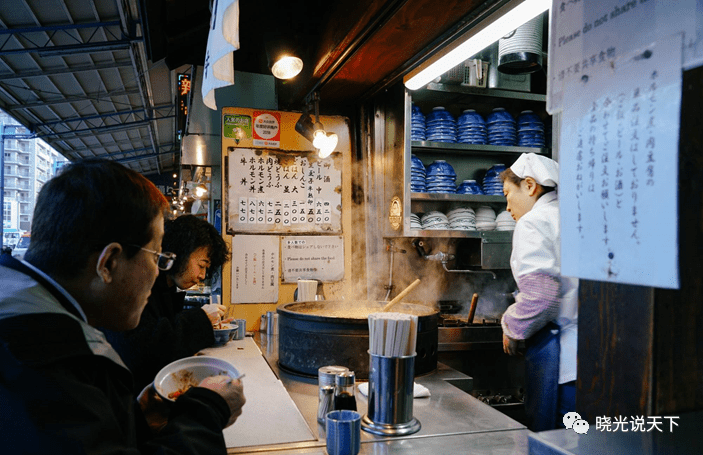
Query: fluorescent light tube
point(477, 40)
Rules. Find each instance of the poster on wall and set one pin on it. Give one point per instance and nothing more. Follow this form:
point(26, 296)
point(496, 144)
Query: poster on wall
point(619, 170)
point(255, 269)
point(312, 258)
point(270, 191)
point(590, 35)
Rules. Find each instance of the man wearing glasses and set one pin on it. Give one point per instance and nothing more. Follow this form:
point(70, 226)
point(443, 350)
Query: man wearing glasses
point(94, 256)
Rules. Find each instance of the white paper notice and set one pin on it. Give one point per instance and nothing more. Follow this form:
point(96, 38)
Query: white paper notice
point(255, 269)
point(619, 170)
point(588, 35)
point(312, 257)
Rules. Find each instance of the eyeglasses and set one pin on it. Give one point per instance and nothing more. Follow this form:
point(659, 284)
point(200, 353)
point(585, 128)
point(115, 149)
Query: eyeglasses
point(164, 261)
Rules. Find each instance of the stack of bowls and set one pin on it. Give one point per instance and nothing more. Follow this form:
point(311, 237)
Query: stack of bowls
point(485, 219)
point(441, 126)
point(491, 181)
point(462, 219)
point(471, 128)
point(502, 129)
point(417, 127)
point(505, 221)
point(440, 177)
point(469, 187)
point(417, 175)
point(434, 220)
point(530, 130)
point(415, 222)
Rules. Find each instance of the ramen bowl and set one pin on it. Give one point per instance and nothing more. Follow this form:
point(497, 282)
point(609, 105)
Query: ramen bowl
point(177, 377)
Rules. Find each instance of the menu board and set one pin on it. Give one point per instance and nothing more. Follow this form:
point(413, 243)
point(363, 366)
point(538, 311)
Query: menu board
point(619, 170)
point(277, 191)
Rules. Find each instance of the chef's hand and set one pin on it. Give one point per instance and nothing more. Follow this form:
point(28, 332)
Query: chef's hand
point(154, 408)
point(509, 345)
point(214, 312)
point(231, 390)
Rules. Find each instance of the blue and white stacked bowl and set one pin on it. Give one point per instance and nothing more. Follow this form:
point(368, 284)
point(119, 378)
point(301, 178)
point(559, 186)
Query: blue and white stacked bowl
point(530, 130)
point(417, 125)
point(485, 219)
point(505, 221)
point(440, 177)
point(492, 184)
point(440, 125)
point(469, 187)
point(462, 219)
point(502, 128)
point(418, 174)
point(415, 223)
point(471, 128)
point(434, 220)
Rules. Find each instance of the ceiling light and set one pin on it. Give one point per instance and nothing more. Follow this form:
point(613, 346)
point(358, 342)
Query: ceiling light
point(287, 67)
point(324, 142)
point(495, 26)
point(200, 190)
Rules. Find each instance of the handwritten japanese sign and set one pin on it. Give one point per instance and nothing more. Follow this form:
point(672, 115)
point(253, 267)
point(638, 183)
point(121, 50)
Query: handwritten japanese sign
point(255, 269)
point(588, 35)
point(281, 192)
point(312, 257)
point(619, 170)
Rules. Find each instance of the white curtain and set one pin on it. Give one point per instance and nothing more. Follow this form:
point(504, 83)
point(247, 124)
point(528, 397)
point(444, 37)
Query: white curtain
point(222, 41)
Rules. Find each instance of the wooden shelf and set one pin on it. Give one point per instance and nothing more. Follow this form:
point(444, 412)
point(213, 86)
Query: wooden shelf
point(449, 147)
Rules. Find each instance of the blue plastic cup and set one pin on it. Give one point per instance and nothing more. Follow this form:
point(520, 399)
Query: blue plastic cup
point(343, 432)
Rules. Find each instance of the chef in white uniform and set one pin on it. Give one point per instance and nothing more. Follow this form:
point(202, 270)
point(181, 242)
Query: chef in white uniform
point(545, 312)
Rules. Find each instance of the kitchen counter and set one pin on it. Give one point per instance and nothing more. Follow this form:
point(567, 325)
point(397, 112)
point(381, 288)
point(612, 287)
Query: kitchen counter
point(452, 420)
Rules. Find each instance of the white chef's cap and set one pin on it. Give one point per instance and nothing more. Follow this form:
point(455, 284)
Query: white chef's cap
point(544, 170)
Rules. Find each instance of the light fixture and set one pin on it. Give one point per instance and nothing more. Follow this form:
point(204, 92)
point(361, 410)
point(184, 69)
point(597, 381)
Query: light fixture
point(283, 57)
point(200, 190)
point(490, 30)
point(324, 142)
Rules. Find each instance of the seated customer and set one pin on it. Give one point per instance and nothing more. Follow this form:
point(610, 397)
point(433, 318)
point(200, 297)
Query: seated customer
point(167, 332)
point(94, 256)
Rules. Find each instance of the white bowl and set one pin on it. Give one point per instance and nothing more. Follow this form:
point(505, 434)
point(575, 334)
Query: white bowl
point(177, 377)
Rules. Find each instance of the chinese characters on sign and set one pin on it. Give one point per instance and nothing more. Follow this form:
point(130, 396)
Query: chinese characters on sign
point(619, 170)
point(255, 269)
point(637, 423)
point(312, 257)
point(296, 195)
point(590, 35)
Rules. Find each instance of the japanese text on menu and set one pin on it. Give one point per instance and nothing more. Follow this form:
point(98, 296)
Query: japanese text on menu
point(297, 194)
point(619, 171)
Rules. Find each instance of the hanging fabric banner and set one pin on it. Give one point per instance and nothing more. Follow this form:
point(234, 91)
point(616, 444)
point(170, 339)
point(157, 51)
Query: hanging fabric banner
point(221, 42)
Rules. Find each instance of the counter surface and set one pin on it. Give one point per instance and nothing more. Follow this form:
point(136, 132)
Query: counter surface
point(452, 420)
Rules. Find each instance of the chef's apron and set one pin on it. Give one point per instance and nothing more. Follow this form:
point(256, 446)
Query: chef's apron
point(542, 378)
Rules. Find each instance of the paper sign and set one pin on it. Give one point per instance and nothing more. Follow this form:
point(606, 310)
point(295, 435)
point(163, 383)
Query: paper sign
point(255, 269)
point(312, 257)
point(619, 170)
point(589, 35)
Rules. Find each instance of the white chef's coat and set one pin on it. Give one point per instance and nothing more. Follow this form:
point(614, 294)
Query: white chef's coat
point(537, 250)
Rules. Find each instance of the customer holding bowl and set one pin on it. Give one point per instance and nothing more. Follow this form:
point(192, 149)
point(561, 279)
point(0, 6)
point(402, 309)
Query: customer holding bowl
point(545, 311)
point(94, 256)
point(167, 331)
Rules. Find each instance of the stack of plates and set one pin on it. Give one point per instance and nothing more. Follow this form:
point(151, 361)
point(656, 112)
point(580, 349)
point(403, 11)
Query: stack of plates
point(415, 222)
point(491, 182)
point(471, 128)
point(434, 220)
point(462, 218)
point(485, 219)
point(417, 175)
point(469, 187)
point(440, 177)
point(441, 126)
point(530, 130)
point(505, 221)
point(501, 128)
point(417, 131)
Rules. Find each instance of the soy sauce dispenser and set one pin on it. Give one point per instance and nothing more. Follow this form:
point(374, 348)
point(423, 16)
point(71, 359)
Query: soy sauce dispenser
point(326, 377)
point(344, 391)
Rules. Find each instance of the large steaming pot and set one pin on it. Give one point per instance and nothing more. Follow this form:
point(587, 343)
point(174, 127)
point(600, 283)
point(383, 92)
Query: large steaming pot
point(320, 333)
